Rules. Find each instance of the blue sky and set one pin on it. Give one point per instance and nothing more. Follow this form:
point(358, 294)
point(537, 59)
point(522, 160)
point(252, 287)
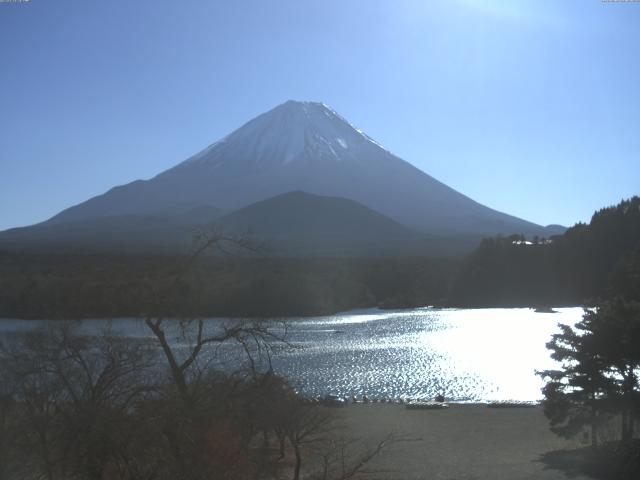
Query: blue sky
point(530, 107)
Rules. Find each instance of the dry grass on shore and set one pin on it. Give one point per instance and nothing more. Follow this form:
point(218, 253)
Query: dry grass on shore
point(463, 442)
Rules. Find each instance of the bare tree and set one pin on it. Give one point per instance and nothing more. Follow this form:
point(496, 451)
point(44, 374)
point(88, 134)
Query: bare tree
point(189, 345)
point(191, 326)
point(74, 394)
point(345, 458)
point(315, 430)
point(7, 404)
point(101, 407)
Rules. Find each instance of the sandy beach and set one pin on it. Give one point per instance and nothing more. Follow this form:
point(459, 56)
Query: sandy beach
point(463, 442)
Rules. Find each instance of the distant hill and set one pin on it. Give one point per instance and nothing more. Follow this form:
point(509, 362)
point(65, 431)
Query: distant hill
point(301, 223)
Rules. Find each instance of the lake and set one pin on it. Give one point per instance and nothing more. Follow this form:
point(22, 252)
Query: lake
point(470, 355)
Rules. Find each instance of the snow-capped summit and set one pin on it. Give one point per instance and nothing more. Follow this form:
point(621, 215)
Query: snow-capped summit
point(292, 131)
point(302, 146)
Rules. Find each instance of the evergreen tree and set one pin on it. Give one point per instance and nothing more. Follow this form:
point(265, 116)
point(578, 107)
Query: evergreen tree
point(600, 360)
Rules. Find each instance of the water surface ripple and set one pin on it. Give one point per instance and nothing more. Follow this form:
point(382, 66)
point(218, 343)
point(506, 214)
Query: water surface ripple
point(468, 355)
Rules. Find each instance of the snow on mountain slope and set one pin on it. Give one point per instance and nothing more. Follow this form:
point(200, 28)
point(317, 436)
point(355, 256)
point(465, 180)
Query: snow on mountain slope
point(285, 135)
point(303, 146)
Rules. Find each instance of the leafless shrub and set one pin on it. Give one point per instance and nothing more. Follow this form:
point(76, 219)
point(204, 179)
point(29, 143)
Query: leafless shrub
point(105, 407)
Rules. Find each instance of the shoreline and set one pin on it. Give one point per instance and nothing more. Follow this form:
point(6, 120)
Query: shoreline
point(308, 316)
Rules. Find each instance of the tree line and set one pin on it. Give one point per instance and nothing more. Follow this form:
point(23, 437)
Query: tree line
point(59, 286)
point(588, 262)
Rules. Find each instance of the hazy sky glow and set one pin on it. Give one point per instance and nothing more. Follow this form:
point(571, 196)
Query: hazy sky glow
point(529, 107)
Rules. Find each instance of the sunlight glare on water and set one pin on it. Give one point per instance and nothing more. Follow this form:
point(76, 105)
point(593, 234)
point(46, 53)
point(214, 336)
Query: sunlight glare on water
point(468, 355)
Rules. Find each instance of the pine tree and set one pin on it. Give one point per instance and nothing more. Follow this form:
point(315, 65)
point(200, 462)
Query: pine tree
point(600, 360)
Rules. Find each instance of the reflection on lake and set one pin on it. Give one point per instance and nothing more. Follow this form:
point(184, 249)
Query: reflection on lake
point(469, 355)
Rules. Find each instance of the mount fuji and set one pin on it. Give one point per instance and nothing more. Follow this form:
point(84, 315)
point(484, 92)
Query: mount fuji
point(295, 147)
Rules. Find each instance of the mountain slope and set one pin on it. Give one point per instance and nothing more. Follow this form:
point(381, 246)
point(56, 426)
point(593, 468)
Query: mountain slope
point(294, 223)
point(171, 231)
point(301, 223)
point(304, 146)
point(119, 232)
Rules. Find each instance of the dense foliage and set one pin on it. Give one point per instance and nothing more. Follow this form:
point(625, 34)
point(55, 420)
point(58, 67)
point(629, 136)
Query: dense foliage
point(81, 286)
point(587, 262)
